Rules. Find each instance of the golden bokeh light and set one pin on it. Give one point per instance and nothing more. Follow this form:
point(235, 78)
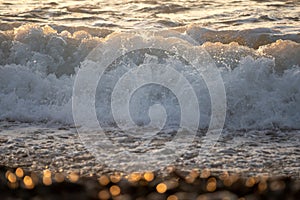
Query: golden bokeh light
point(115, 178)
point(103, 180)
point(47, 177)
point(149, 176)
point(134, 177)
point(47, 181)
point(189, 179)
point(103, 195)
point(264, 177)
point(73, 177)
point(172, 197)
point(11, 178)
point(212, 179)
point(210, 187)
point(59, 177)
point(28, 182)
point(7, 173)
point(115, 190)
point(47, 173)
point(205, 173)
point(19, 172)
point(192, 176)
point(161, 188)
point(194, 173)
point(211, 184)
point(262, 186)
point(250, 182)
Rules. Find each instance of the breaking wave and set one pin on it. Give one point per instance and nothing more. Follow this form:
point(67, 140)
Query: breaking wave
point(259, 67)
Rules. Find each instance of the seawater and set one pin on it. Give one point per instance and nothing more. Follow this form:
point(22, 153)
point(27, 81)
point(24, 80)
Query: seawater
point(254, 44)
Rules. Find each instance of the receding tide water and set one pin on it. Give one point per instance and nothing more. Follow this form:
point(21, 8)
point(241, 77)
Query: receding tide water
point(148, 72)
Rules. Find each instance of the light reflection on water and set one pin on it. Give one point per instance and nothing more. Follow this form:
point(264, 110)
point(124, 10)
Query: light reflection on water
point(130, 14)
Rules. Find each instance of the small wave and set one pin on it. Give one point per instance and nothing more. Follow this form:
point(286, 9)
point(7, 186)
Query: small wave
point(253, 38)
point(168, 8)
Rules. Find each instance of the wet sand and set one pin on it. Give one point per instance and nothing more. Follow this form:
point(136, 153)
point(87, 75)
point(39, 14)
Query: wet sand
point(37, 146)
point(248, 157)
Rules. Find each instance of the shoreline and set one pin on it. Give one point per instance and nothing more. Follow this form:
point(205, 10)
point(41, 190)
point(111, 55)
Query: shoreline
point(35, 147)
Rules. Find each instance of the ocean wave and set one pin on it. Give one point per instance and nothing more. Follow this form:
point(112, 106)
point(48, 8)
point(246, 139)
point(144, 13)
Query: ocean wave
point(259, 67)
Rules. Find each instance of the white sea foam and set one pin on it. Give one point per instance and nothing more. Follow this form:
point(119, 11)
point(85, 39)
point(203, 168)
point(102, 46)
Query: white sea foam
point(262, 79)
